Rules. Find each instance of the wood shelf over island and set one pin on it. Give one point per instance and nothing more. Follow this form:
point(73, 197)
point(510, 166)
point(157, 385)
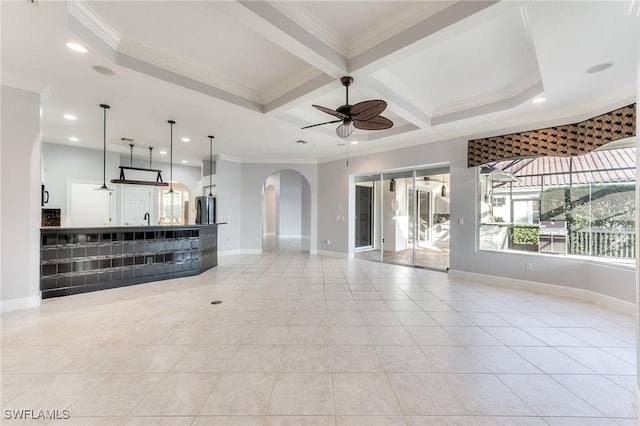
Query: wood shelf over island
point(79, 260)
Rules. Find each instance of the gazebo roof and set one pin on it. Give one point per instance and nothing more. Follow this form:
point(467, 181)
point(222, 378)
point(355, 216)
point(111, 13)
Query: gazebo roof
point(606, 166)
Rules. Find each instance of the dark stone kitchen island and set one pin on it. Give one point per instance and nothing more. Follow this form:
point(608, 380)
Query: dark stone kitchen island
point(79, 260)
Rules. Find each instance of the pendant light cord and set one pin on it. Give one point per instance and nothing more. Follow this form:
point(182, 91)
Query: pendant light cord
point(347, 145)
point(104, 147)
point(104, 107)
point(210, 163)
point(171, 122)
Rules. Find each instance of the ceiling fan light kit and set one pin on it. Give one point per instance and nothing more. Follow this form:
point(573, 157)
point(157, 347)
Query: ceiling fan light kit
point(363, 115)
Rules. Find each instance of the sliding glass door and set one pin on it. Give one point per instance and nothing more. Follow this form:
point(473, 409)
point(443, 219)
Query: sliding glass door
point(398, 222)
point(432, 192)
point(403, 218)
point(364, 215)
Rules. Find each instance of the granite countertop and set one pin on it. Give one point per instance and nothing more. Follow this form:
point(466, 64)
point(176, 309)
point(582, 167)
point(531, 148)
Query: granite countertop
point(127, 228)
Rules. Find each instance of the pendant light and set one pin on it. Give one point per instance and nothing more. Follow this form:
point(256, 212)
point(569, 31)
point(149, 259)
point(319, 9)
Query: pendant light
point(443, 192)
point(171, 122)
point(210, 163)
point(104, 186)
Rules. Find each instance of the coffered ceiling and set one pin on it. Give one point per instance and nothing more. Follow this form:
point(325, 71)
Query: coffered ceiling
point(248, 72)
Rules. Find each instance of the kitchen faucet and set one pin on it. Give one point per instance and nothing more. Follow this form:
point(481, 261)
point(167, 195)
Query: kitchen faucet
point(147, 217)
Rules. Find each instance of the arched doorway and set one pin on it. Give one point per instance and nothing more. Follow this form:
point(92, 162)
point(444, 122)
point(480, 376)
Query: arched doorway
point(286, 211)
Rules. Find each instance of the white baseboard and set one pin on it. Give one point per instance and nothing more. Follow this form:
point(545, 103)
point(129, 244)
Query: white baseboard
point(328, 253)
point(558, 290)
point(239, 251)
point(17, 304)
point(636, 401)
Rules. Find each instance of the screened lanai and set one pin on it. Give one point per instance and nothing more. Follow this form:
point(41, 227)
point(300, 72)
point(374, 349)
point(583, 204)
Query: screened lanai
point(582, 205)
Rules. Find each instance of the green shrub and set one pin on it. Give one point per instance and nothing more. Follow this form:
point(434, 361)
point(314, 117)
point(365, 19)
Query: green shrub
point(525, 233)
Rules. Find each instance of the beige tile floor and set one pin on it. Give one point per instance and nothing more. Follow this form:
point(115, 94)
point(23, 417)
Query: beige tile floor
point(429, 256)
point(311, 340)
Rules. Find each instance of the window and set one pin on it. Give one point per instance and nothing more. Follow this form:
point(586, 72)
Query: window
point(174, 207)
point(581, 206)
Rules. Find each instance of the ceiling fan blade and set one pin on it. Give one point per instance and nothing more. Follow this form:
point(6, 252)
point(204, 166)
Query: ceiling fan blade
point(363, 111)
point(376, 123)
point(330, 111)
point(344, 130)
point(321, 124)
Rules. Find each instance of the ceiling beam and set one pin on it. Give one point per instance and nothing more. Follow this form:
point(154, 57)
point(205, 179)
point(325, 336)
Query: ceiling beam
point(301, 94)
point(84, 22)
point(275, 26)
point(413, 39)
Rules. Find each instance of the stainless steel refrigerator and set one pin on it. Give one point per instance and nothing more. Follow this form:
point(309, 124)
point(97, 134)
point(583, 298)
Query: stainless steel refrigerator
point(205, 210)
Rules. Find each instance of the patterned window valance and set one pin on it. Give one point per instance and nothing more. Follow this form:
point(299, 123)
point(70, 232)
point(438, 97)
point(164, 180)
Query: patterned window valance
point(560, 141)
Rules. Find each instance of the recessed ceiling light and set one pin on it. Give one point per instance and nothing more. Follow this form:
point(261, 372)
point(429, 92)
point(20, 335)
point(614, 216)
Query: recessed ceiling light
point(163, 152)
point(300, 141)
point(74, 139)
point(103, 70)
point(598, 68)
point(340, 144)
point(70, 117)
point(354, 142)
point(185, 139)
point(184, 161)
point(76, 47)
point(539, 100)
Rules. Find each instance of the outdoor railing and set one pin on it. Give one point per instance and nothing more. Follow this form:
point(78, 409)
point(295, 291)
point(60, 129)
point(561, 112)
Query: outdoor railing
point(617, 244)
point(596, 243)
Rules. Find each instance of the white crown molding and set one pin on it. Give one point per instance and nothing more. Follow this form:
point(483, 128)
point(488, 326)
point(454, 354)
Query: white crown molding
point(305, 19)
point(10, 79)
point(291, 83)
point(94, 23)
point(389, 146)
point(164, 61)
point(406, 18)
point(502, 94)
point(250, 160)
point(230, 158)
point(122, 45)
point(279, 161)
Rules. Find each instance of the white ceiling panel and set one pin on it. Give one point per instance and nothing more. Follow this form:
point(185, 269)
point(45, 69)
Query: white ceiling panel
point(203, 35)
point(462, 71)
point(248, 72)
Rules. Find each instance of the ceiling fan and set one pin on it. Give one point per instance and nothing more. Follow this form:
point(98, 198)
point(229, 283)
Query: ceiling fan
point(363, 115)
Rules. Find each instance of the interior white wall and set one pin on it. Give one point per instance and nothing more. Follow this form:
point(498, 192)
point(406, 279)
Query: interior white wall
point(271, 212)
point(64, 164)
point(305, 213)
point(333, 190)
point(20, 177)
point(190, 176)
point(228, 203)
point(290, 204)
point(270, 225)
point(248, 186)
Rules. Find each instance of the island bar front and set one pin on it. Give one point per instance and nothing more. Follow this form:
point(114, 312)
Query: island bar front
point(79, 260)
